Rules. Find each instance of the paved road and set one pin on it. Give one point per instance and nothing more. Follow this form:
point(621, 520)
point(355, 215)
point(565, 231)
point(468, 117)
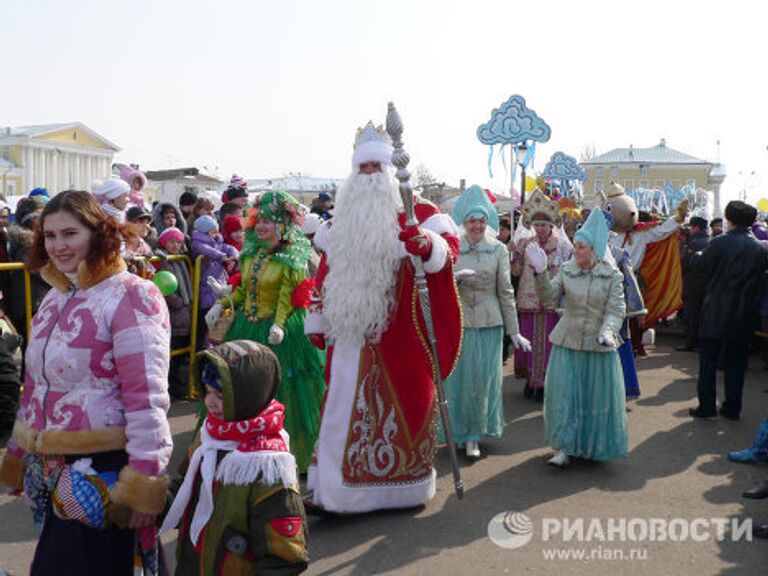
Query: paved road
point(676, 473)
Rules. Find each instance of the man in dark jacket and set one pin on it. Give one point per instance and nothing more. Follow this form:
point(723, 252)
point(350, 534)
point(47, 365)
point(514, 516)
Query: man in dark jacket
point(734, 263)
point(694, 281)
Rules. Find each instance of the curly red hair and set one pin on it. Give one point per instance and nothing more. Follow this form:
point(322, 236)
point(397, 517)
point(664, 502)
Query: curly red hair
point(105, 242)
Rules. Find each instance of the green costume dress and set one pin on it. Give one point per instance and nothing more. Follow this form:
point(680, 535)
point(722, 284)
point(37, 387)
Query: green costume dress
point(269, 278)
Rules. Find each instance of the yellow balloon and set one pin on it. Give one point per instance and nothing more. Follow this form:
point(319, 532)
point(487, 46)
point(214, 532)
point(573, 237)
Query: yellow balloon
point(530, 183)
point(762, 204)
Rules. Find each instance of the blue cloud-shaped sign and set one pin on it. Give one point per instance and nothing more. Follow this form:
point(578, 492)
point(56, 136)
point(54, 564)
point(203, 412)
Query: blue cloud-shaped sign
point(513, 122)
point(563, 167)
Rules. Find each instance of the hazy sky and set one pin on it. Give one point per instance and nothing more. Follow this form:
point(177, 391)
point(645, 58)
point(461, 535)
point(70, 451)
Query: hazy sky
point(265, 88)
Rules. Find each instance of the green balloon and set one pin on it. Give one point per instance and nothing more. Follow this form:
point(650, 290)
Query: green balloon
point(166, 281)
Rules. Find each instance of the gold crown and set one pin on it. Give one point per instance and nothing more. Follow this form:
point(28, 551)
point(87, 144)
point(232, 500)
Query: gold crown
point(540, 208)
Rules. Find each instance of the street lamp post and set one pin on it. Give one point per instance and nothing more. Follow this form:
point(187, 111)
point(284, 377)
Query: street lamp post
point(522, 149)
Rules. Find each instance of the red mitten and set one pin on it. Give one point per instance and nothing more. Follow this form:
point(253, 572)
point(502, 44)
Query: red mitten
point(317, 340)
point(416, 242)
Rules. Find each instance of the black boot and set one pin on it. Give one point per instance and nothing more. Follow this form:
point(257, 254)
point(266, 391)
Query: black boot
point(528, 391)
point(758, 492)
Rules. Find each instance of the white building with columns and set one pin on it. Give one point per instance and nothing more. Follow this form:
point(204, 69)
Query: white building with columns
point(55, 156)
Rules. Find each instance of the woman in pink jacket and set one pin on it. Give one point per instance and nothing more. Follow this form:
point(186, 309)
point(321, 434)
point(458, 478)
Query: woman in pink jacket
point(91, 440)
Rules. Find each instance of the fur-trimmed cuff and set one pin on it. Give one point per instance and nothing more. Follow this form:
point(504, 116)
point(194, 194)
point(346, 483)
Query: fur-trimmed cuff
point(439, 254)
point(315, 323)
point(12, 471)
point(140, 492)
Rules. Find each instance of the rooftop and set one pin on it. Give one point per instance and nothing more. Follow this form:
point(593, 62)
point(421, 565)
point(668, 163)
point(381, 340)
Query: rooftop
point(191, 173)
point(42, 129)
point(659, 154)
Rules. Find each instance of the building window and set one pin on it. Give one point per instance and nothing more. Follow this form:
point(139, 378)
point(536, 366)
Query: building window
point(190, 189)
point(598, 185)
point(629, 185)
point(614, 171)
point(643, 184)
point(599, 172)
point(644, 169)
point(659, 184)
point(6, 152)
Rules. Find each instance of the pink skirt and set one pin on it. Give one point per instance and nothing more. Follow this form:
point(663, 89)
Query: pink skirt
point(536, 327)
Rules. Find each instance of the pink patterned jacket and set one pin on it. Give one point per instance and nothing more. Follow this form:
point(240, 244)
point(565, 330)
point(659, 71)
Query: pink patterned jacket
point(97, 376)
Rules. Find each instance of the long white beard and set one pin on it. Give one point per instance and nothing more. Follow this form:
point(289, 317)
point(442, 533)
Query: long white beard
point(363, 258)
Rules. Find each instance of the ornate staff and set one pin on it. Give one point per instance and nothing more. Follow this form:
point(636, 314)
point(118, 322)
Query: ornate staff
point(400, 159)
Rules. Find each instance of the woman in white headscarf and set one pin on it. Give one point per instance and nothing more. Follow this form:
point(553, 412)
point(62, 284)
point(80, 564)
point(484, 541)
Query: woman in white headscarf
point(473, 390)
point(112, 194)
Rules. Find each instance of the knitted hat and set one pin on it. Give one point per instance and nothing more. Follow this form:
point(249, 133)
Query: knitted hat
point(594, 232)
point(474, 203)
point(205, 224)
point(187, 199)
point(171, 233)
point(231, 224)
point(231, 193)
point(110, 189)
point(42, 192)
point(237, 188)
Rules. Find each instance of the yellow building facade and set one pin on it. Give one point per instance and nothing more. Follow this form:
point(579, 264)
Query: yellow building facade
point(55, 156)
point(652, 168)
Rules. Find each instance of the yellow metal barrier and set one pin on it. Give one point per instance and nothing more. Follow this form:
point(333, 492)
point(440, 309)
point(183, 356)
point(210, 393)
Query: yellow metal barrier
point(194, 274)
point(195, 277)
point(27, 292)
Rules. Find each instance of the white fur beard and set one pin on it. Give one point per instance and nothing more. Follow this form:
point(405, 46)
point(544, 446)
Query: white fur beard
point(363, 258)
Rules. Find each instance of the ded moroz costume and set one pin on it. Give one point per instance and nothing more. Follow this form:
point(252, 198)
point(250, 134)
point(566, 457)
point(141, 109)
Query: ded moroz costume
point(379, 429)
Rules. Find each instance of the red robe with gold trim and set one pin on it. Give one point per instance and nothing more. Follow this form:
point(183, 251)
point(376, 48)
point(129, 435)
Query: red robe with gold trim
point(378, 430)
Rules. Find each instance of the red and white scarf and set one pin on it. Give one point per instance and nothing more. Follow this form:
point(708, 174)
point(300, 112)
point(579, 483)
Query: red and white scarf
point(258, 452)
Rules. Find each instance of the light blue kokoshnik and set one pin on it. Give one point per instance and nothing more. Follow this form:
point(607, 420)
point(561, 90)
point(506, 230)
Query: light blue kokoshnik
point(758, 452)
point(474, 202)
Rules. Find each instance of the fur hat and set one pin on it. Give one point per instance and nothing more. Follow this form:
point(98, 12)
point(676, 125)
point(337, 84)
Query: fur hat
point(740, 213)
point(372, 144)
point(205, 224)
